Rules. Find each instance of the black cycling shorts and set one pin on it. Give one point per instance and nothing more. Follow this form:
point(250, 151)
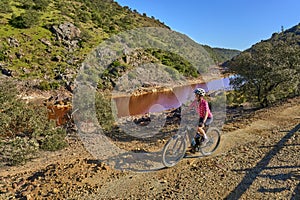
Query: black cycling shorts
point(207, 123)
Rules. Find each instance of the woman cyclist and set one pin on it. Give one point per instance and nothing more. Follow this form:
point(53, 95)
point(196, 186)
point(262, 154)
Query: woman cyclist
point(205, 114)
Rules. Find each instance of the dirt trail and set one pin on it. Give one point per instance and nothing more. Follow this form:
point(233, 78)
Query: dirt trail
point(258, 159)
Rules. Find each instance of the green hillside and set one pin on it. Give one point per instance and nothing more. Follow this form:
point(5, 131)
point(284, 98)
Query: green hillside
point(221, 55)
point(269, 71)
point(32, 46)
point(47, 40)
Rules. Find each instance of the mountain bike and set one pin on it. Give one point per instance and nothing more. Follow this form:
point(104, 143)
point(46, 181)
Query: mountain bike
point(175, 149)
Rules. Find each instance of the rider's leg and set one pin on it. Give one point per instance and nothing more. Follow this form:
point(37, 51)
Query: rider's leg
point(201, 136)
point(203, 129)
point(200, 129)
point(204, 137)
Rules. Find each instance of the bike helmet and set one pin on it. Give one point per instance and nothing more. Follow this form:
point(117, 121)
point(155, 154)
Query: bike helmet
point(199, 91)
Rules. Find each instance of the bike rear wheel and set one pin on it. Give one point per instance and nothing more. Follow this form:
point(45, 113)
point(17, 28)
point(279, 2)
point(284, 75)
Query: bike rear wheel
point(214, 138)
point(174, 150)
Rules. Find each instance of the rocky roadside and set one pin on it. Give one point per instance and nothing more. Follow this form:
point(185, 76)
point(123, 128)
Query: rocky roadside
point(258, 159)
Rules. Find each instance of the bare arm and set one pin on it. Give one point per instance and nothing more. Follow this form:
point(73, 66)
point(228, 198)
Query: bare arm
point(188, 108)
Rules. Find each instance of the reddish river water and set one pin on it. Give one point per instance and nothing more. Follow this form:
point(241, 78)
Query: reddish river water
point(160, 101)
point(147, 103)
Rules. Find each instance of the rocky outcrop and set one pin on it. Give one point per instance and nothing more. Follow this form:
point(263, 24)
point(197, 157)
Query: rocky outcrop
point(68, 34)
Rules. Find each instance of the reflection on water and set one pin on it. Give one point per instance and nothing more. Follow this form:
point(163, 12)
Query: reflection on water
point(160, 101)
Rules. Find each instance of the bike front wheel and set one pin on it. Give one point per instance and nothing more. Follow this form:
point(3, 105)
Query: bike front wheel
point(174, 151)
point(214, 138)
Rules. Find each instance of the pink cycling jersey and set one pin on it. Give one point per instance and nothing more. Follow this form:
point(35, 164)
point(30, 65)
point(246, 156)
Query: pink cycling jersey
point(202, 107)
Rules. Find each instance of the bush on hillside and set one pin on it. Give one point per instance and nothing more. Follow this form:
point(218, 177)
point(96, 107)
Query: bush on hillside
point(27, 19)
point(104, 110)
point(25, 128)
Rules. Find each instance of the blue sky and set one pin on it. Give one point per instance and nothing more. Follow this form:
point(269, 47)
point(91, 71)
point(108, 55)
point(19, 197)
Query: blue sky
point(233, 24)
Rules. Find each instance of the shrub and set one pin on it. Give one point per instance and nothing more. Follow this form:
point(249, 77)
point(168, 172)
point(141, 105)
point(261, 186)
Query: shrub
point(173, 73)
point(235, 98)
point(54, 140)
point(18, 150)
point(25, 20)
point(175, 61)
point(104, 110)
point(25, 127)
point(45, 85)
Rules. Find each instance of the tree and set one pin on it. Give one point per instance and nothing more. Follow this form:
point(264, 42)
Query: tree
point(268, 72)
